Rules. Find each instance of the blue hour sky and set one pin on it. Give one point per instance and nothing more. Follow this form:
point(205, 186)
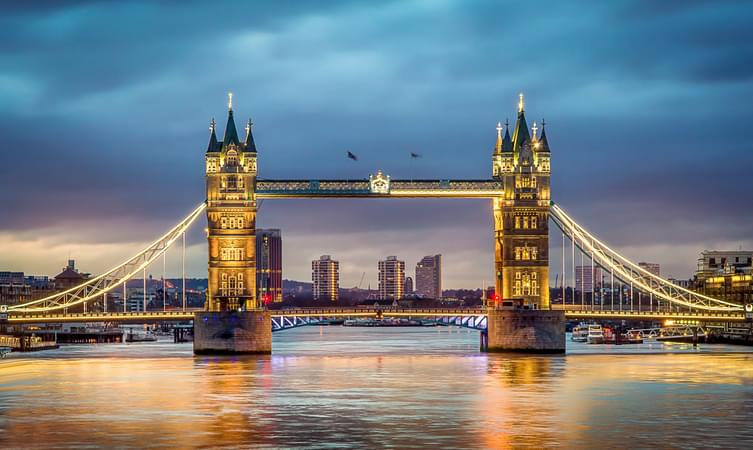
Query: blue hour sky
point(104, 112)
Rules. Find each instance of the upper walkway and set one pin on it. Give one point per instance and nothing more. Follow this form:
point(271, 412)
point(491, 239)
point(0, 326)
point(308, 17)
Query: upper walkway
point(378, 187)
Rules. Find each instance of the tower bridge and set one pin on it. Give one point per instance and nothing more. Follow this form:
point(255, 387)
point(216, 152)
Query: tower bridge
point(520, 317)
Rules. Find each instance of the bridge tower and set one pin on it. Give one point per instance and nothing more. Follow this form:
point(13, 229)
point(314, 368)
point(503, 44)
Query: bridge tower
point(521, 217)
point(520, 319)
point(234, 321)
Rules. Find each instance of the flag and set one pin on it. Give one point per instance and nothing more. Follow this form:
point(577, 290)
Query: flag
point(352, 156)
point(414, 155)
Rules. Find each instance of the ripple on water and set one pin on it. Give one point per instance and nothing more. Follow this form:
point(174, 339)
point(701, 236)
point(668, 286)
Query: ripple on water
point(373, 387)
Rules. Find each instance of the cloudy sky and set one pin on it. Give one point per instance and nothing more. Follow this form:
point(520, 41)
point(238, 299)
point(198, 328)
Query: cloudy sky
point(104, 111)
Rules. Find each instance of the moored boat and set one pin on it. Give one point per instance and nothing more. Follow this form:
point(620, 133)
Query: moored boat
point(595, 334)
point(580, 333)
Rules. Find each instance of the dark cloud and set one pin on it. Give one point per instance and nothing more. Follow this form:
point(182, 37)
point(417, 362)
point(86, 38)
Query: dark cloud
point(104, 107)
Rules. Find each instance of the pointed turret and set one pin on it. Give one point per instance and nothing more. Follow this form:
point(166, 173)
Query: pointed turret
point(520, 135)
point(249, 144)
point(231, 134)
point(506, 141)
point(213, 146)
point(543, 143)
point(498, 145)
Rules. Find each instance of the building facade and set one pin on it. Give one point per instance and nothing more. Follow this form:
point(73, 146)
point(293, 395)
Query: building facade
point(325, 274)
point(714, 262)
point(13, 288)
point(429, 277)
point(231, 219)
point(652, 268)
point(391, 278)
point(408, 287)
point(269, 265)
point(725, 275)
point(587, 278)
point(521, 215)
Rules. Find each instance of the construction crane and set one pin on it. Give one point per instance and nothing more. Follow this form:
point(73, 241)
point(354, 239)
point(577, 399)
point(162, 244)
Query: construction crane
point(361, 282)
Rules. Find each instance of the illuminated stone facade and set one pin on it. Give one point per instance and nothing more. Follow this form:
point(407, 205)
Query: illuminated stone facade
point(521, 215)
point(231, 219)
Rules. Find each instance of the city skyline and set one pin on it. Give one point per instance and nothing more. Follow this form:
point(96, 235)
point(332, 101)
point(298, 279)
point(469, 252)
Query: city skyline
point(136, 167)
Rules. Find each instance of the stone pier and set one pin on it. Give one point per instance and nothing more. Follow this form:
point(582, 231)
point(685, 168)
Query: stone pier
point(525, 331)
point(232, 332)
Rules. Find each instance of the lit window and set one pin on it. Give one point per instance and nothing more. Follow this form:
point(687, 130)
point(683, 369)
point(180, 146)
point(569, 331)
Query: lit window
point(533, 222)
point(232, 158)
point(517, 222)
point(223, 222)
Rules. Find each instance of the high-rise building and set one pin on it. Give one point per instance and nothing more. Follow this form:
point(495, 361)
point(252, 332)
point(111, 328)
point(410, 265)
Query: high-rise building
point(391, 278)
point(269, 265)
point(429, 277)
point(585, 277)
point(408, 287)
point(653, 268)
point(325, 273)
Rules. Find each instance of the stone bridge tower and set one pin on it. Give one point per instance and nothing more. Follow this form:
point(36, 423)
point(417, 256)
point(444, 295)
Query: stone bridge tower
point(231, 219)
point(521, 319)
point(234, 321)
point(521, 217)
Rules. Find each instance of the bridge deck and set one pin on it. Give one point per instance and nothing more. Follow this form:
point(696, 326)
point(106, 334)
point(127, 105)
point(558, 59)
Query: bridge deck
point(570, 313)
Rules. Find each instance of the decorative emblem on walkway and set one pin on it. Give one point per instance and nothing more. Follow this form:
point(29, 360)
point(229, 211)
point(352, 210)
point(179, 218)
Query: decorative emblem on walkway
point(379, 183)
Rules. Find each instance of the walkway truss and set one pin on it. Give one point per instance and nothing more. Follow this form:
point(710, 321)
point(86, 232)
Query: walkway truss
point(631, 274)
point(97, 287)
point(615, 264)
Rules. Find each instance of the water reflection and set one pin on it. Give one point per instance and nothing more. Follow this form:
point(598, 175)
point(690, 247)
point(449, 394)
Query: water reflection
point(373, 388)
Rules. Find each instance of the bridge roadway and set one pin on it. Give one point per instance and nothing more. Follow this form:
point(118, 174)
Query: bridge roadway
point(571, 312)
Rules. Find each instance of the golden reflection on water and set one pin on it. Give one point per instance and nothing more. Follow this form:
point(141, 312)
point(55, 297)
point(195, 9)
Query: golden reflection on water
point(367, 388)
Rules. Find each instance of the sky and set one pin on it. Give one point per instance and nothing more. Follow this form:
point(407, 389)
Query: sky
point(104, 113)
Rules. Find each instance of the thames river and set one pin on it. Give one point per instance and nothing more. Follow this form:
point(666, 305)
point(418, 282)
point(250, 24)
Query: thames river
point(327, 387)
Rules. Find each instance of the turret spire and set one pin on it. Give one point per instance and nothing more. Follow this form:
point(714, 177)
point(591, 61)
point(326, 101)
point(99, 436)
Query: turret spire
point(212, 147)
point(543, 143)
point(520, 136)
point(249, 144)
point(506, 141)
point(498, 147)
point(231, 134)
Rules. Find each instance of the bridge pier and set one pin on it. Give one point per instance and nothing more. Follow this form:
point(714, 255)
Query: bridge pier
point(232, 332)
point(525, 331)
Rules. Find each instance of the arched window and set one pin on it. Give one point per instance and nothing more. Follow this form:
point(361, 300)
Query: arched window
point(223, 284)
point(232, 285)
point(232, 158)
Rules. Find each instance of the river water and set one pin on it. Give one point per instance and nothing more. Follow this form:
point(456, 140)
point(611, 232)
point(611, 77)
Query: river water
point(327, 387)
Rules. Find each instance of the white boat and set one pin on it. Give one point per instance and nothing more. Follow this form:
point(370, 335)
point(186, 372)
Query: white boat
point(595, 334)
point(136, 337)
point(4, 351)
point(580, 333)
